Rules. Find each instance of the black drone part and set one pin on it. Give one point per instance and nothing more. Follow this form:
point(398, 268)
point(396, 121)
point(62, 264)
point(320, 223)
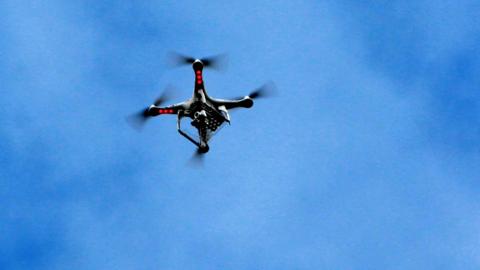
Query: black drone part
point(215, 62)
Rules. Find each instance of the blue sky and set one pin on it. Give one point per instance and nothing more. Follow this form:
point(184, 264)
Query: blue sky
point(366, 159)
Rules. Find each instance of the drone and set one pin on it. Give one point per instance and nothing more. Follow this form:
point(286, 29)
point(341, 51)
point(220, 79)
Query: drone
point(207, 115)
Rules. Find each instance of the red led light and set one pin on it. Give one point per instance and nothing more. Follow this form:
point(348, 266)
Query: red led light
point(160, 111)
point(199, 72)
point(199, 77)
point(199, 81)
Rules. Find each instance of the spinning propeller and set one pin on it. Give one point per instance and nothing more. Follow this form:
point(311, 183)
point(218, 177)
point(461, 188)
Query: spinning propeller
point(266, 90)
point(217, 62)
point(138, 120)
point(197, 159)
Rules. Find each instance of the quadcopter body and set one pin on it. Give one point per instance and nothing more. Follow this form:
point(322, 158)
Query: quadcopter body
point(207, 114)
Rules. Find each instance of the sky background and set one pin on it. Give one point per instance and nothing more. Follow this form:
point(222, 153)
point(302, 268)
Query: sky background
point(368, 157)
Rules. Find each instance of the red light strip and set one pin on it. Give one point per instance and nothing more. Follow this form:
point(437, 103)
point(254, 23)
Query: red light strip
point(199, 77)
point(165, 111)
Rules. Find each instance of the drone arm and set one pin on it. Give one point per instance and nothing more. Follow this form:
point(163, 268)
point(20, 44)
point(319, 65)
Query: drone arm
point(154, 110)
point(172, 109)
point(245, 102)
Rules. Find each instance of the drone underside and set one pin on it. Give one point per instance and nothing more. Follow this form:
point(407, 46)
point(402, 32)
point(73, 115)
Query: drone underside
point(207, 114)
